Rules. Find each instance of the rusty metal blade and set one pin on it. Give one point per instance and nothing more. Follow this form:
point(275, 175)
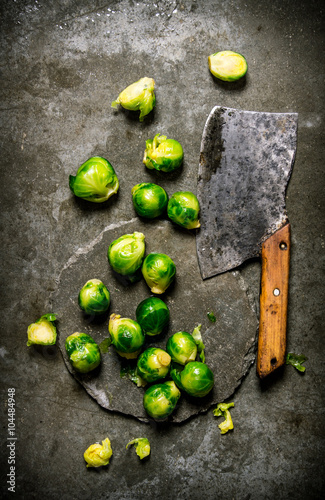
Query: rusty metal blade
point(245, 164)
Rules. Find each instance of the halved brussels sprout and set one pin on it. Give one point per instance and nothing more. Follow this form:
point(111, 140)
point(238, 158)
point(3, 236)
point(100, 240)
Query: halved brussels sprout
point(182, 348)
point(152, 315)
point(95, 181)
point(159, 271)
point(83, 352)
point(43, 331)
point(153, 364)
point(227, 65)
point(149, 200)
point(160, 400)
point(163, 154)
point(183, 209)
point(98, 455)
point(142, 447)
point(196, 379)
point(126, 253)
point(94, 298)
point(139, 96)
point(127, 336)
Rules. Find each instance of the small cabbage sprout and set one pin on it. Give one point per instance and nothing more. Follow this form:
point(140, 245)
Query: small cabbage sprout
point(152, 315)
point(222, 410)
point(126, 254)
point(227, 65)
point(43, 331)
point(94, 297)
point(296, 360)
point(182, 348)
point(196, 378)
point(183, 209)
point(127, 336)
point(159, 271)
point(163, 154)
point(142, 447)
point(149, 200)
point(153, 364)
point(139, 96)
point(95, 181)
point(83, 352)
point(98, 455)
point(160, 400)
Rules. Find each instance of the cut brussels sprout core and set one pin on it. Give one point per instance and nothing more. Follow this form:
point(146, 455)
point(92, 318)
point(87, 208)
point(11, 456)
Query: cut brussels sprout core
point(196, 378)
point(83, 352)
point(163, 154)
point(127, 336)
point(149, 200)
point(95, 181)
point(227, 65)
point(183, 209)
point(139, 96)
point(94, 298)
point(160, 400)
point(153, 364)
point(43, 331)
point(142, 447)
point(182, 348)
point(153, 315)
point(98, 455)
point(159, 271)
point(126, 253)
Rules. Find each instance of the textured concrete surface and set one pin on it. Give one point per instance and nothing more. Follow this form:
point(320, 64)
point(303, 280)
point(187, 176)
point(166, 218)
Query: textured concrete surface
point(62, 64)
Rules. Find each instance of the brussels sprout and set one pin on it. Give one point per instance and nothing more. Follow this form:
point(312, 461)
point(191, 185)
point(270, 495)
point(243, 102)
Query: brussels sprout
point(160, 400)
point(183, 209)
point(95, 181)
point(142, 447)
point(152, 315)
point(158, 271)
point(138, 96)
point(94, 298)
point(227, 65)
point(98, 455)
point(83, 352)
point(196, 378)
point(163, 154)
point(222, 410)
point(153, 364)
point(149, 200)
point(126, 254)
point(43, 331)
point(127, 336)
point(182, 348)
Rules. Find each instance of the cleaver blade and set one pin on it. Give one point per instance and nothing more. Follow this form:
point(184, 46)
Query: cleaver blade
point(246, 160)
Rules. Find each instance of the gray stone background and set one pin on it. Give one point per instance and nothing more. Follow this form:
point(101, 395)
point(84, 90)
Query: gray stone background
point(62, 64)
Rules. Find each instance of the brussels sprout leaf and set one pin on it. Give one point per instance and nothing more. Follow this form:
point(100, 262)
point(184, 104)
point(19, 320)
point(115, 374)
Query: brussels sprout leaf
point(131, 373)
point(222, 410)
point(104, 345)
point(196, 334)
point(49, 317)
point(296, 360)
point(211, 317)
point(142, 447)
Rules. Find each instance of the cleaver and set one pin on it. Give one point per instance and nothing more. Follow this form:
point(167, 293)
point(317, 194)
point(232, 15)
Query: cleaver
point(246, 160)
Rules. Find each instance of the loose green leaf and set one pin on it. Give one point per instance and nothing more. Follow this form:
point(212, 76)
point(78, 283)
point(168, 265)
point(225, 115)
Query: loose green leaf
point(296, 360)
point(132, 374)
point(196, 334)
point(211, 317)
point(142, 447)
point(222, 410)
point(104, 345)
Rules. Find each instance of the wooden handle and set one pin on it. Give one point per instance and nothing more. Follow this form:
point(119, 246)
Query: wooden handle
point(273, 302)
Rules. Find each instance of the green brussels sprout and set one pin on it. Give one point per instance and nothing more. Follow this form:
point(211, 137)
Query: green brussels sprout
point(83, 352)
point(94, 298)
point(153, 364)
point(127, 336)
point(149, 200)
point(142, 447)
point(160, 400)
point(196, 379)
point(43, 331)
point(126, 254)
point(163, 154)
point(183, 209)
point(138, 96)
point(158, 271)
point(95, 181)
point(227, 65)
point(98, 455)
point(182, 348)
point(152, 315)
